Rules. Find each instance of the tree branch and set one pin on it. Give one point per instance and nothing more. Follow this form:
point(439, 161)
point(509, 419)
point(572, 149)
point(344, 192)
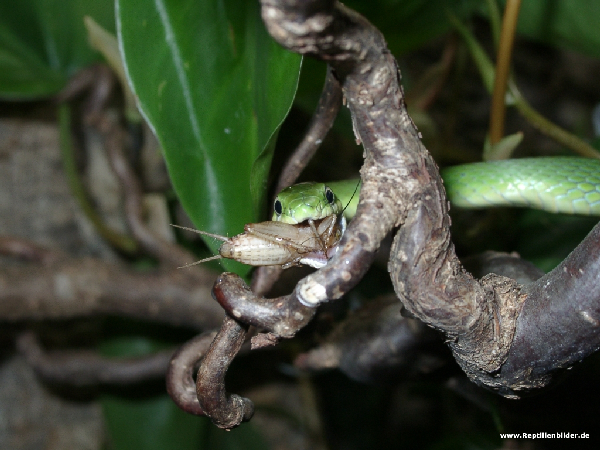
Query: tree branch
point(559, 324)
point(88, 368)
point(402, 187)
point(180, 381)
point(73, 287)
point(225, 410)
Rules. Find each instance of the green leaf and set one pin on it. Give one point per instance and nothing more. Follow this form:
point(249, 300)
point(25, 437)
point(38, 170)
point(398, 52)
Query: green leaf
point(43, 42)
point(570, 24)
point(502, 149)
point(151, 423)
point(215, 88)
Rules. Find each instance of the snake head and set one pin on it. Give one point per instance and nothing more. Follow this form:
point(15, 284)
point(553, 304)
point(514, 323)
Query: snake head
point(304, 201)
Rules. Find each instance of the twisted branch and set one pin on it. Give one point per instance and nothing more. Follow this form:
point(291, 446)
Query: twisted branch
point(226, 410)
point(402, 187)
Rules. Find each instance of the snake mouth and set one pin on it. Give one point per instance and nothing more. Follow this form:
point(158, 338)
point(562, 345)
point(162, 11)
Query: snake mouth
point(330, 235)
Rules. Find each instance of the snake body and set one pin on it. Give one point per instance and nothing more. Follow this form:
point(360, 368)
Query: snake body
point(557, 184)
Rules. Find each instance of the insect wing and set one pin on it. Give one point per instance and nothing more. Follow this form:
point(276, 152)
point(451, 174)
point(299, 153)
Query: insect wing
point(331, 229)
point(256, 251)
point(299, 237)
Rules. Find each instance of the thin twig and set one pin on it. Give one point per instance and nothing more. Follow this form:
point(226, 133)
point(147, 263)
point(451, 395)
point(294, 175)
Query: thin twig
point(432, 82)
point(115, 138)
point(180, 382)
point(545, 126)
point(225, 410)
point(97, 82)
point(88, 368)
point(320, 124)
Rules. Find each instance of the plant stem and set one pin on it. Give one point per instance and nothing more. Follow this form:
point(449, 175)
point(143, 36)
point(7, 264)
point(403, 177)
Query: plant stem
point(507, 38)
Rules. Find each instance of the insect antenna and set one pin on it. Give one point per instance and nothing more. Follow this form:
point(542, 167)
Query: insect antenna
point(210, 258)
point(352, 196)
point(205, 233)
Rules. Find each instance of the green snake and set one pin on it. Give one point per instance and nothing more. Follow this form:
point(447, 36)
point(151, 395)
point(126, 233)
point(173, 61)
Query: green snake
point(304, 201)
point(555, 184)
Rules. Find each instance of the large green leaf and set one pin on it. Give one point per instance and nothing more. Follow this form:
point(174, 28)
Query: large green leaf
point(215, 87)
point(43, 42)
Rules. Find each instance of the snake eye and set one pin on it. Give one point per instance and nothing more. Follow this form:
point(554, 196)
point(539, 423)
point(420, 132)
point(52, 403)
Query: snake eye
point(329, 195)
point(277, 207)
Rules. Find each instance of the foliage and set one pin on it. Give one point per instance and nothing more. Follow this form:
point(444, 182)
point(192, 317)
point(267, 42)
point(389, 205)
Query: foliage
point(215, 87)
point(43, 43)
